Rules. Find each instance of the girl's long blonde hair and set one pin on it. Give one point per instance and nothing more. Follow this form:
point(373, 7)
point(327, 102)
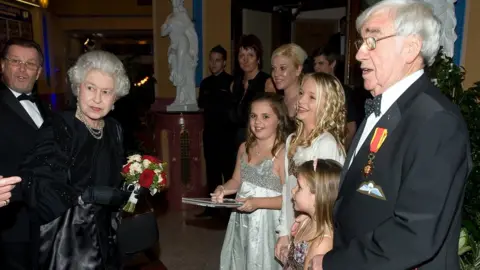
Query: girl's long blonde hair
point(323, 180)
point(331, 119)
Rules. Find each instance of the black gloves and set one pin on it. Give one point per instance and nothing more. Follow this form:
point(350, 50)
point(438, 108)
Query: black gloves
point(104, 195)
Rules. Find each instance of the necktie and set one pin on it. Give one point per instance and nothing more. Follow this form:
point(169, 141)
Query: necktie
point(31, 98)
point(373, 106)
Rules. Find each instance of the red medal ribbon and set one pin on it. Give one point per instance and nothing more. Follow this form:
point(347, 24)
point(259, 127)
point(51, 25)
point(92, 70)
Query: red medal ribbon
point(378, 138)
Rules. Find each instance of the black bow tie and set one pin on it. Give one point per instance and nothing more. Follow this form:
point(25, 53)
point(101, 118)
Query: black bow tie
point(373, 106)
point(27, 97)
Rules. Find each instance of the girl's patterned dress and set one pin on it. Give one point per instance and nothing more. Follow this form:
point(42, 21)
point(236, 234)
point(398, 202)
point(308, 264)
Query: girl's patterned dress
point(296, 256)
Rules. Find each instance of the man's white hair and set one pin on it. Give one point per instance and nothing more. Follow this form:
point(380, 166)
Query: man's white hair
point(411, 17)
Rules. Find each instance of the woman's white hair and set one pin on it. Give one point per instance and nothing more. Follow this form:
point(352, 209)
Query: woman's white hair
point(411, 17)
point(104, 62)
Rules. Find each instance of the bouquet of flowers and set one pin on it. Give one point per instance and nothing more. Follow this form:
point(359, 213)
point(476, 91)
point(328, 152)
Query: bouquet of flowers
point(142, 171)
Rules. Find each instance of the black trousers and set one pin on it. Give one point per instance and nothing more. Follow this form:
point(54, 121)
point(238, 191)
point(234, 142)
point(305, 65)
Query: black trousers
point(16, 256)
point(220, 156)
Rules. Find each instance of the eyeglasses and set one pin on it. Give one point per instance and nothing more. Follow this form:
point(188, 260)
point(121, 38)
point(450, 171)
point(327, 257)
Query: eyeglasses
point(371, 42)
point(28, 65)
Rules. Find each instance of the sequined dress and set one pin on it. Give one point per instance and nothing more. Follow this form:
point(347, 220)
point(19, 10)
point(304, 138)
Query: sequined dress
point(297, 253)
point(250, 238)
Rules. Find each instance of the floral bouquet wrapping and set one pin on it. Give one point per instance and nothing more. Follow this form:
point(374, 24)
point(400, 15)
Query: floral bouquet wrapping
point(142, 171)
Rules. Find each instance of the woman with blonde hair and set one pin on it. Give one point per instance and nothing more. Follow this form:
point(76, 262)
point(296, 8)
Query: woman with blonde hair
point(287, 72)
point(320, 134)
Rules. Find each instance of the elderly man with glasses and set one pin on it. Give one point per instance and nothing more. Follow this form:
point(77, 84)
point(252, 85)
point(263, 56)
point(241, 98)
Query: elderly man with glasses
point(402, 187)
point(21, 115)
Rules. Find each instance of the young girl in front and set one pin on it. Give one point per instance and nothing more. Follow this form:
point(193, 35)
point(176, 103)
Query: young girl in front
point(314, 196)
point(320, 133)
point(257, 180)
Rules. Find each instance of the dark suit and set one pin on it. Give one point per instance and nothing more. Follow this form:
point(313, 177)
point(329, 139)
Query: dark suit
point(216, 100)
point(17, 137)
point(422, 168)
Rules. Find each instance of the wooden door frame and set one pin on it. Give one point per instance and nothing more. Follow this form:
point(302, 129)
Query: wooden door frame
point(353, 11)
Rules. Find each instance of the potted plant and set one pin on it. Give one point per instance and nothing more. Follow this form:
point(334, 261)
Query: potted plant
point(449, 77)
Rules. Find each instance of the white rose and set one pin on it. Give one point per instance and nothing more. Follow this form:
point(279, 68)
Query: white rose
point(157, 171)
point(135, 168)
point(160, 179)
point(146, 163)
point(136, 158)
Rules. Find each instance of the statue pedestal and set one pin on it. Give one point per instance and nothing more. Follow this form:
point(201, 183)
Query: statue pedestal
point(182, 108)
point(179, 141)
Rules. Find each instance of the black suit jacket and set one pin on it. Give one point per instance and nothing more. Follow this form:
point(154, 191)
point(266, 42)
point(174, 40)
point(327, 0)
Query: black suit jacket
point(422, 168)
point(17, 136)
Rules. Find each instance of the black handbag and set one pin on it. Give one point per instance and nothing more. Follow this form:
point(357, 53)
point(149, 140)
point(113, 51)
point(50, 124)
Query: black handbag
point(138, 232)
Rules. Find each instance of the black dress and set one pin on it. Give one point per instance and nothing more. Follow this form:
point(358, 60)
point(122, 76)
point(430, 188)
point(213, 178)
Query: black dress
point(70, 182)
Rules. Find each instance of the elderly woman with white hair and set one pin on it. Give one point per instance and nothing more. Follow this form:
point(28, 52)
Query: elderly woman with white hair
point(71, 179)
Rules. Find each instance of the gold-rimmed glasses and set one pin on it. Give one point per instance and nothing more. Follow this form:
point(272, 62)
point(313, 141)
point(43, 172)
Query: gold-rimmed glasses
point(28, 65)
point(371, 42)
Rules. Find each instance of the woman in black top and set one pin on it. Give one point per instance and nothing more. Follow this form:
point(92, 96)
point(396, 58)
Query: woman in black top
point(250, 82)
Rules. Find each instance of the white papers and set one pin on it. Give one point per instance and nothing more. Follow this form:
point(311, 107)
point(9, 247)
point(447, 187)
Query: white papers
point(227, 203)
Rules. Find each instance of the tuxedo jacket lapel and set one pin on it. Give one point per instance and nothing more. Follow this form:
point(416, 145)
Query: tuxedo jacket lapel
point(42, 108)
point(9, 99)
point(353, 146)
point(389, 121)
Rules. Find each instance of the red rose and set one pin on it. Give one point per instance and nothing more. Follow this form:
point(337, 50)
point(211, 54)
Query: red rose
point(151, 158)
point(146, 178)
point(126, 169)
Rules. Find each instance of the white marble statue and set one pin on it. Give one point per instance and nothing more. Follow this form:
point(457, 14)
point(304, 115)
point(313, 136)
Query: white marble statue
point(182, 57)
point(445, 12)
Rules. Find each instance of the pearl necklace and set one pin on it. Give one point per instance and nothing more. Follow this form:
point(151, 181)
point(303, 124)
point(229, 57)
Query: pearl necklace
point(96, 133)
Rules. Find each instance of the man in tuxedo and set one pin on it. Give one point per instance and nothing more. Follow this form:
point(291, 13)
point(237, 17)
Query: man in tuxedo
point(402, 188)
point(21, 115)
point(215, 99)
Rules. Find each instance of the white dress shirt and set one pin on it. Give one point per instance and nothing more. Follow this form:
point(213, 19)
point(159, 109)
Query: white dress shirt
point(388, 98)
point(31, 109)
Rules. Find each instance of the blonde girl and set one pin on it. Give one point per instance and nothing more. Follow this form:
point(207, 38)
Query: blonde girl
point(320, 133)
